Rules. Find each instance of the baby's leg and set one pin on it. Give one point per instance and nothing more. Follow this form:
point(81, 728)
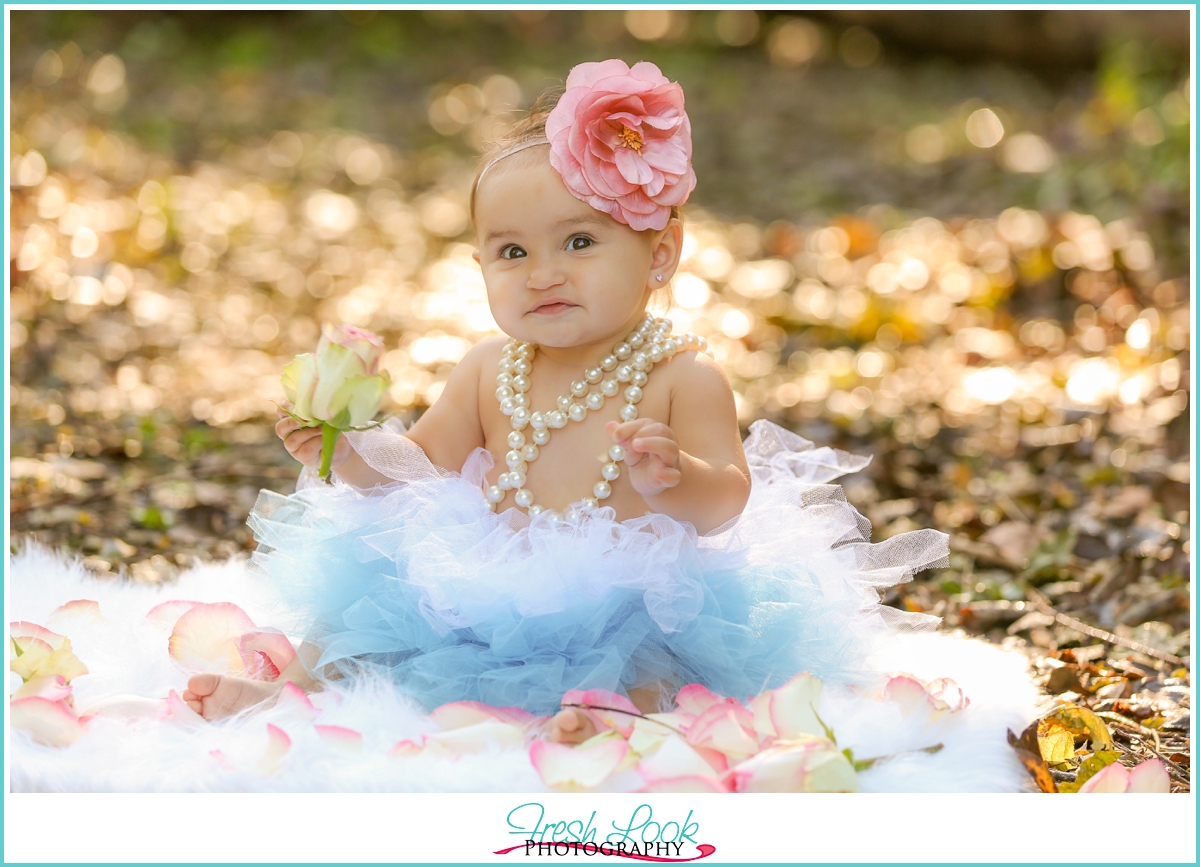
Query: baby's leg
point(218, 695)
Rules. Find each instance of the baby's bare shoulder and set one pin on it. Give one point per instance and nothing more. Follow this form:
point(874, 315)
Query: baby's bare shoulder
point(697, 373)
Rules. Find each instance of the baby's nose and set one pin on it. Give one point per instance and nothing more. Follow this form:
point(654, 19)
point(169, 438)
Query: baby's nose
point(545, 278)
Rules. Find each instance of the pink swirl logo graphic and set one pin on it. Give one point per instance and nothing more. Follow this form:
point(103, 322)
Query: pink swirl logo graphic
point(618, 850)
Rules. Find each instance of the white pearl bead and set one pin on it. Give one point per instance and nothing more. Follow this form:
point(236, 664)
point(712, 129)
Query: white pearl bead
point(622, 351)
point(520, 382)
point(624, 373)
point(524, 351)
point(616, 452)
point(524, 498)
point(516, 439)
point(628, 412)
point(640, 361)
point(702, 344)
point(610, 471)
point(590, 503)
point(504, 379)
point(572, 514)
point(609, 362)
point(516, 478)
point(656, 353)
point(558, 419)
point(636, 340)
point(521, 400)
point(669, 348)
point(563, 402)
point(529, 452)
point(541, 437)
point(577, 412)
point(632, 394)
point(579, 388)
point(610, 387)
point(494, 494)
point(504, 482)
point(514, 458)
point(639, 378)
point(595, 400)
point(506, 365)
point(504, 392)
point(601, 490)
point(520, 417)
point(507, 406)
point(593, 375)
point(537, 421)
point(522, 365)
point(535, 510)
point(665, 324)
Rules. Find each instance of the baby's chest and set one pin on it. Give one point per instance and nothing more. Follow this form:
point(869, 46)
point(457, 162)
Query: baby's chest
point(569, 462)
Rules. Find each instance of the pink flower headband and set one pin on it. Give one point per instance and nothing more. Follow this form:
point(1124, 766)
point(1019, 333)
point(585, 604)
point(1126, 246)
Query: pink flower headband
point(621, 141)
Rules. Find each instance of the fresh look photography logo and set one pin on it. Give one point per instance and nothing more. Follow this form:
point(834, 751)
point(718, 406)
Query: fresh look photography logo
point(642, 836)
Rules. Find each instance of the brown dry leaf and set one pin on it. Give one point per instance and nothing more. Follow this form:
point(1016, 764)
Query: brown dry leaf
point(1055, 742)
point(1026, 748)
point(1083, 723)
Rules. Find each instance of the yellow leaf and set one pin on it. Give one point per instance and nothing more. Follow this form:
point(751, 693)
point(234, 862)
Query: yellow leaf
point(1055, 742)
point(1091, 766)
point(1083, 724)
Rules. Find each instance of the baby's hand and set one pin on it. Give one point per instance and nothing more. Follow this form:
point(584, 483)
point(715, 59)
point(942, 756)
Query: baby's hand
point(651, 454)
point(304, 443)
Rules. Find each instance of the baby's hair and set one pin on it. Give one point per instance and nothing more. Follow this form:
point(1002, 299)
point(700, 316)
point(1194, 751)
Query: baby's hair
point(529, 128)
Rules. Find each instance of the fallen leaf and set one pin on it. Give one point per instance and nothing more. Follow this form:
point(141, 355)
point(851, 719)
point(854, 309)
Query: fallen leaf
point(1091, 766)
point(1055, 742)
point(1029, 754)
point(1083, 723)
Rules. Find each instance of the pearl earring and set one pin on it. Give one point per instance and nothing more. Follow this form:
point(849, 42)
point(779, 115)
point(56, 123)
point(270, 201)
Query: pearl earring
point(658, 277)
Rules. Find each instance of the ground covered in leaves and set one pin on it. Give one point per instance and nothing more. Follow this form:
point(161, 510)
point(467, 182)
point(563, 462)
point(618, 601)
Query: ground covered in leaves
point(1020, 375)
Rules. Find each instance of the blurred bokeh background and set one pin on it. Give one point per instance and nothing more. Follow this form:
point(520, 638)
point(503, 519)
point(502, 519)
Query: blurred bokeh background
point(955, 240)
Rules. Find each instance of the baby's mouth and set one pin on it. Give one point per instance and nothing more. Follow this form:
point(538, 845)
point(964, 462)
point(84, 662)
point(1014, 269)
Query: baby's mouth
point(552, 307)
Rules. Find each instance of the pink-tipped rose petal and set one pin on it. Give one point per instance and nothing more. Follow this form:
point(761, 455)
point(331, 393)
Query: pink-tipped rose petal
point(727, 729)
point(691, 785)
point(77, 611)
point(404, 748)
point(476, 738)
point(223, 760)
point(51, 686)
point(166, 614)
point(296, 701)
point(673, 759)
point(808, 764)
point(648, 732)
point(1149, 777)
point(278, 744)
point(176, 710)
point(793, 707)
point(583, 767)
point(25, 629)
point(1112, 779)
point(265, 653)
point(342, 739)
point(618, 713)
point(42, 653)
point(460, 714)
point(206, 638)
point(49, 722)
point(934, 699)
point(695, 699)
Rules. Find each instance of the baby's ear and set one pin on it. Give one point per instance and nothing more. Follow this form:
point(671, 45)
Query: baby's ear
point(668, 247)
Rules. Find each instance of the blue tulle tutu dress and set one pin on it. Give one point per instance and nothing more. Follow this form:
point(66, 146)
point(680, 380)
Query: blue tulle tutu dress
point(420, 579)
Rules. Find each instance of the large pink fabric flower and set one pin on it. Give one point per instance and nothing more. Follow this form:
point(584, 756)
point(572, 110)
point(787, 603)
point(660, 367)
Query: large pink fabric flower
point(621, 141)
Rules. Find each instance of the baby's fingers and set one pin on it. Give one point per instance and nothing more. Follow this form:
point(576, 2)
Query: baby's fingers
point(663, 448)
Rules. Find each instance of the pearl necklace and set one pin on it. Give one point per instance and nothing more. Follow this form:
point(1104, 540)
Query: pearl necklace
point(630, 362)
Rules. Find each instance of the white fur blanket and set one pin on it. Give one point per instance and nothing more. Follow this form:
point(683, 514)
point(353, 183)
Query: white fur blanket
point(135, 742)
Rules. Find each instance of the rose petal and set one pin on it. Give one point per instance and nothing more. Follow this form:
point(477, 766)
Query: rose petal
point(674, 758)
point(278, 744)
point(83, 611)
point(727, 729)
point(459, 714)
point(206, 638)
point(695, 699)
point(25, 629)
point(165, 615)
point(792, 708)
point(1149, 777)
point(807, 764)
point(34, 656)
point(476, 738)
point(1112, 779)
point(176, 710)
point(583, 767)
point(404, 748)
point(342, 739)
point(621, 712)
point(49, 722)
point(265, 653)
point(691, 784)
point(297, 701)
point(53, 687)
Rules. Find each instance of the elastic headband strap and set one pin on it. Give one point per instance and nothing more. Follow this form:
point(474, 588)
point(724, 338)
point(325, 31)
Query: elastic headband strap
point(508, 152)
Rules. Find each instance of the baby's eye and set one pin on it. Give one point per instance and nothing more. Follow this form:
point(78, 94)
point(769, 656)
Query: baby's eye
point(511, 251)
point(579, 242)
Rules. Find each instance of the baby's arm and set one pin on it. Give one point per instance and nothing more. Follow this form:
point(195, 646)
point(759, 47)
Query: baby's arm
point(447, 432)
point(691, 467)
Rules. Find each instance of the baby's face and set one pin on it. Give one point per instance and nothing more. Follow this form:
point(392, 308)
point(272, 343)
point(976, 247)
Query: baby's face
point(558, 272)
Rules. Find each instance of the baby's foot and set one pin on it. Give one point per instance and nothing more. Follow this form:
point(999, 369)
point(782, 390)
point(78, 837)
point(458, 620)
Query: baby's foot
point(571, 726)
point(217, 695)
